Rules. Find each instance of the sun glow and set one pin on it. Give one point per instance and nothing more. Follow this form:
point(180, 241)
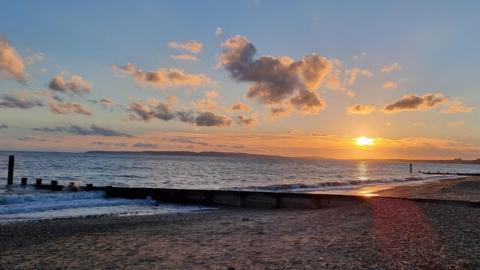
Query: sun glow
point(364, 141)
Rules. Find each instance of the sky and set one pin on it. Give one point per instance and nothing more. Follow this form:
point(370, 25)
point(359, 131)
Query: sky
point(294, 78)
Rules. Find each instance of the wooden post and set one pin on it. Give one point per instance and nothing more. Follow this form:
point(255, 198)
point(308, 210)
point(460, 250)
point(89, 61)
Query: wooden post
point(11, 162)
point(411, 168)
point(24, 181)
point(88, 187)
point(53, 184)
point(38, 182)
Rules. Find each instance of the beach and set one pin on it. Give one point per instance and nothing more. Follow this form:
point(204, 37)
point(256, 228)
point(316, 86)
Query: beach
point(377, 234)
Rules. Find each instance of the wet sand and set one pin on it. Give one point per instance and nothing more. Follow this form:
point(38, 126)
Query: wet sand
point(376, 234)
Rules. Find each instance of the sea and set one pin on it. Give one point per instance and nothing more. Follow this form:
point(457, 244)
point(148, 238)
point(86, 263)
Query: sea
point(18, 203)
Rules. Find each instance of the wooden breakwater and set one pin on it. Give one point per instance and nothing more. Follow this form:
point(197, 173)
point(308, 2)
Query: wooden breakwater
point(449, 173)
point(240, 198)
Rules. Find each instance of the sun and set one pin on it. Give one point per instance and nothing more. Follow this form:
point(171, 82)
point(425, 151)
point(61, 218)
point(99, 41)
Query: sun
point(364, 141)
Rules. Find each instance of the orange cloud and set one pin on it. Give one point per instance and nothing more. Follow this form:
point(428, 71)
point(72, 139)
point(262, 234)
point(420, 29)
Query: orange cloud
point(391, 68)
point(361, 109)
point(163, 77)
point(185, 56)
point(11, 64)
point(77, 84)
point(240, 107)
point(352, 74)
point(60, 107)
point(191, 45)
point(390, 85)
point(457, 106)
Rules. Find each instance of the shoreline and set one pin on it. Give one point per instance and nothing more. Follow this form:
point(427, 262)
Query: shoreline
point(376, 234)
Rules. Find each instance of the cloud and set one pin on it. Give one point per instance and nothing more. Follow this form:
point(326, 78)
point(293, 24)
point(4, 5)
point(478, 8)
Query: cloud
point(163, 77)
point(360, 56)
point(390, 85)
point(185, 56)
point(352, 74)
point(93, 130)
point(151, 109)
point(219, 31)
point(414, 102)
point(308, 102)
point(209, 119)
point(208, 103)
point(11, 64)
point(60, 107)
point(240, 107)
point(108, 144)
point(30, 139)
point(457, 106)
point(76, 85)
point(191, 46)
point(360, 109)
point(274, 79)
point(391, 68)
point(145, 145)
point(3, 126)
point(187, 140)
point(279, 111)
point(245, 121)
point(156, 109)
point(23, 100)
point(34, 58)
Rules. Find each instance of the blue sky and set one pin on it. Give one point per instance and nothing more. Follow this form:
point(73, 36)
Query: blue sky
point(433, 42)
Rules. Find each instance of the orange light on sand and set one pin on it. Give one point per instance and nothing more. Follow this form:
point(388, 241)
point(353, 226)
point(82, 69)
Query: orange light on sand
point(364, 141)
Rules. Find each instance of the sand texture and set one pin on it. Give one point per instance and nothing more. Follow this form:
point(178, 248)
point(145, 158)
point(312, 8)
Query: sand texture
point(376, 234)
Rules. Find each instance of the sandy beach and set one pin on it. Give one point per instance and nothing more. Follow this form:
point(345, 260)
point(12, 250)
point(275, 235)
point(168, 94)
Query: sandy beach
point(377, 234)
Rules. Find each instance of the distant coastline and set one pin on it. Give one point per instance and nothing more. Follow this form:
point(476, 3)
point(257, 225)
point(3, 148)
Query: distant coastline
point(251, 155)
point(242, 154)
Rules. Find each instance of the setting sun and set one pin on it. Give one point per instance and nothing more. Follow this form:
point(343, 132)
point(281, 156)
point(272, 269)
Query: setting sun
point(364, 141)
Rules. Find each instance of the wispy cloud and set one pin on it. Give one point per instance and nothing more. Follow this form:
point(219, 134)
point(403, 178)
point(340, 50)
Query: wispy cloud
point(192, 46)
point(185, 56)
point(145, 145)
point(390, 85)
point(414, 102)
point(23, 100)
point(361, 109)
point(352, 74)
point(60, 107)
point(391, 68)
point(93, 130)
point(457, 106)
point(163, 77)
point(239, 106)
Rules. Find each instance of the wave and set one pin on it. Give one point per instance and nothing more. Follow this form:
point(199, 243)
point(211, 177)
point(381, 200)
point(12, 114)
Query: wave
point(340, 184)
point(47, 201)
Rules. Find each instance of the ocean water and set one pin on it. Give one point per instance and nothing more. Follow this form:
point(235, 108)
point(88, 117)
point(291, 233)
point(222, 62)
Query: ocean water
point(196, 172)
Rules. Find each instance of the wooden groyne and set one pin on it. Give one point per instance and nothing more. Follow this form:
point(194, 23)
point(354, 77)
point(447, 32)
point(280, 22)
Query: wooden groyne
point(449, 173)
point(240, 198)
